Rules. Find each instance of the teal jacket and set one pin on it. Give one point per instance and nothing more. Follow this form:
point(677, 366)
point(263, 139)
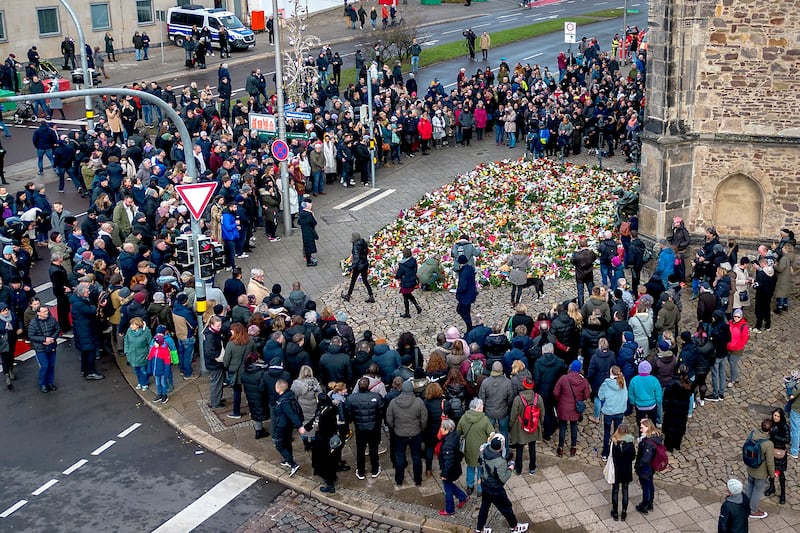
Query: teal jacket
point(615, 400)
point(645, 391)
point(137, 346)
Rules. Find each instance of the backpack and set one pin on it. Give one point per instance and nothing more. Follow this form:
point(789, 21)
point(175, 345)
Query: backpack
point(660, 460)
point(544, 135)
point(105, 308)
point(529, 420)
point(475, 371)
point(751, 452)
point(455, 408)
point(647, 255)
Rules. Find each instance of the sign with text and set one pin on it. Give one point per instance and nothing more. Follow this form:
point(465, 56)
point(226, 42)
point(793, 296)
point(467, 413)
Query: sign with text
point(263, 123)
point(297, 115)
point(570, 32)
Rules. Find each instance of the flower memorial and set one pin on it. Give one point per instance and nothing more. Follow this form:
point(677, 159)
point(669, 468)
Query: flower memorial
point(540, 202)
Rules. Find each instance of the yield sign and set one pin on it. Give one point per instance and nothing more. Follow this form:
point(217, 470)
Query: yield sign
point(196, 196)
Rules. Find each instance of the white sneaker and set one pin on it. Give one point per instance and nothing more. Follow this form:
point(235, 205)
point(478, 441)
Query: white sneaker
point(144, 388)
point(378, 473)
point(138, 387)
point(520, 528)
point(702, 403)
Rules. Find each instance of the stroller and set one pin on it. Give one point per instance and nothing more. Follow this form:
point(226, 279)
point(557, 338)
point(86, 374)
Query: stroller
point(25, 112)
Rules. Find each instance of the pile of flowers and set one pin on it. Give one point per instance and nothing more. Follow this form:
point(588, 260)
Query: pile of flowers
point(499, 204)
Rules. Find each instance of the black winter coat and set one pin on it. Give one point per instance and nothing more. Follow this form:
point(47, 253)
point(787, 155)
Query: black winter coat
point(212, 348)
point(407, 273)
point(623, 454)
point(434, 407)
point(360, 253)
point(450, 457)
point(563, 327)
point(308, 229)
point(546, 371)
point(84, 324)
point(255, 391)
point(364, 410)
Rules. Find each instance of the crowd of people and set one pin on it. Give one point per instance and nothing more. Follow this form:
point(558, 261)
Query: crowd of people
point(482, 392)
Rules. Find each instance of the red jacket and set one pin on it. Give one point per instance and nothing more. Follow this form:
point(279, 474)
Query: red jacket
point(740, 334)
point(425, 128)
point(565, 399)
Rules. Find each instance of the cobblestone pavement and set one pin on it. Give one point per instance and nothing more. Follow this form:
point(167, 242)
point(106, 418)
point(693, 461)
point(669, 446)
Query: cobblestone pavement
point(300, 514)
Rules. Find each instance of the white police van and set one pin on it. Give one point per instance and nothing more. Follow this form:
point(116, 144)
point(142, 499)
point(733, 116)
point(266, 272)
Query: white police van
point(181, 19)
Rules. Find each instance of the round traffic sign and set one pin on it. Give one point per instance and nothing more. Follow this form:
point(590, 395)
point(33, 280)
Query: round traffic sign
point(569, 27)
point(280, 150)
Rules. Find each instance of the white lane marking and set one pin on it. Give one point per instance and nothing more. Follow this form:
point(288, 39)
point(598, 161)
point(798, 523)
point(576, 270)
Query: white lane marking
point(236, 91)
point(534, 55)
point(43, 286)
point(74, 467)
point(209, 503)
point(601, 3)
point(507, 16)
point(374, 199)
point(104, 447)
point(557, 11)
point(481, 25)
point(8, 512)
point(30, 354)
point(51, 303)
point(355, 199)
point(181, 86)
point(451, 31)
point(131, 429)
point(450, 84)
point(44, 487)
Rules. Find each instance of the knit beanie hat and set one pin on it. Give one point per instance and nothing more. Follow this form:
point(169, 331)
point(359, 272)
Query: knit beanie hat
point(575, 366)
point(645, 368)
point(664, 345)
point(628, 336)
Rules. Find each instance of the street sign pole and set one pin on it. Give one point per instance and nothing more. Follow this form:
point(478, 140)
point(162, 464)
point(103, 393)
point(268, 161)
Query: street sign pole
point(87, 78)
point(371, 127)
point(287, 216)
point(623, 54)
point(570, 33)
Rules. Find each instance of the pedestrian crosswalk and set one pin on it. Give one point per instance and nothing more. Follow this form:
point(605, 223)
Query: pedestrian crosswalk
point(208, 504)
point(368, 197)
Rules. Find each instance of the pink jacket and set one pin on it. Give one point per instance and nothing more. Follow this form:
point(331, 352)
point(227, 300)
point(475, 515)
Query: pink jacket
point(740, 334)
point(480, 117)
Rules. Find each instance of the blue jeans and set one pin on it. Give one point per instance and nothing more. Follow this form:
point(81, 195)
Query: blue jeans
point(794, 426)
point(415, 443)
point(608, 421)
point(414, 63)
point(450, 490)
point(40, 104)
point(318, 181)
point(185, 353)
point(230, 252)
point(734, 363)
point(580, 285)
point(139, 54)
point(169, 378)
point(512, 139)
point(141, 375)
point(499, 133)
point(473, 475)
point(606, 274)
point(502, 425)
point(47, 367)
point(648, 489)
point(395, 152)
point(782, 303)
point(147, 112)
point(60, 172)
point(40, 157)
point(718, 377)
point(6, 131)
point(162, 384)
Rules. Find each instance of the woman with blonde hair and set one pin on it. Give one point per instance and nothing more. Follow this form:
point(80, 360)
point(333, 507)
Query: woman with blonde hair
point(649, 440)
point(575, 313)
point(613, 397)
point(137, 348)
point(624, 450)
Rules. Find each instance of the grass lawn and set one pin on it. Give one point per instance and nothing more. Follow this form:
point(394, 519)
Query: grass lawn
point(445, 52)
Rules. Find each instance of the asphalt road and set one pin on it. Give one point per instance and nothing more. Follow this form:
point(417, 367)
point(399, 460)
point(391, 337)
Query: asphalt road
point(542, 50)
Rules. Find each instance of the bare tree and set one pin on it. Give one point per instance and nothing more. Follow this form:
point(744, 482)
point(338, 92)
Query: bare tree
point(298, 74)
point(396, 40)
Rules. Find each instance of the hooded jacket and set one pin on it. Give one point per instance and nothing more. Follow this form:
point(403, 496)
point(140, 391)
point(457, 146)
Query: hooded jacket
point(644, 392)
point(285, 415)
point(388, 361)
point(570, 389)
point(474, 427)
point(546, 372)
point(614, 399)
point(407, 415)
point(137, 346)
point(294, 358)
point(664, 367)
point(497, 393)
point(599, 367)
point(255, 389)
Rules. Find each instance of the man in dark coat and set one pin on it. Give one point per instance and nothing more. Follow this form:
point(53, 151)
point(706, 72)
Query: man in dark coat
point(256, 392)
point(359, 267)
point(60, 281)
point(735, 511)
point(287, 417)
point(86, 325)
point(466, 293)
point(334, 365)
point(364, 409)
point(308, 225)
point(212, 349)
point(583, 260)
point(546, 372)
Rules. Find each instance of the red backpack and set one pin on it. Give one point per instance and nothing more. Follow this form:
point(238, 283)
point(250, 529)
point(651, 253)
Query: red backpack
point(660, 460)
point(529, 420)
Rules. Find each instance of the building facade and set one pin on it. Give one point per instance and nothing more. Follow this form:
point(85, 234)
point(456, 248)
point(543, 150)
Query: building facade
point(45, 23)
point(721, 140)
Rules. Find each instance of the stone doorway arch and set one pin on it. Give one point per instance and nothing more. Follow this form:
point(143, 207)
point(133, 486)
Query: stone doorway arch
point(738, 206)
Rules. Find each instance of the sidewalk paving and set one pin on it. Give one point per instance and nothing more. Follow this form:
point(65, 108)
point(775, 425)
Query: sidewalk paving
point(688, 495)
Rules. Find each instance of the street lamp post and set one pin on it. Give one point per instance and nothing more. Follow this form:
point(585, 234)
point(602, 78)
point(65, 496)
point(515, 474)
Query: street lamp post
point(623, 54)
point(279, 86)
point(191, 170)
point(370, 77)
point(87, 78)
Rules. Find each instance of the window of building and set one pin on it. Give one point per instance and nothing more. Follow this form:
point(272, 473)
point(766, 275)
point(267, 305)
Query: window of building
point(3, 36)
point(144, 11)
point(48, 21)
point(101, 20)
